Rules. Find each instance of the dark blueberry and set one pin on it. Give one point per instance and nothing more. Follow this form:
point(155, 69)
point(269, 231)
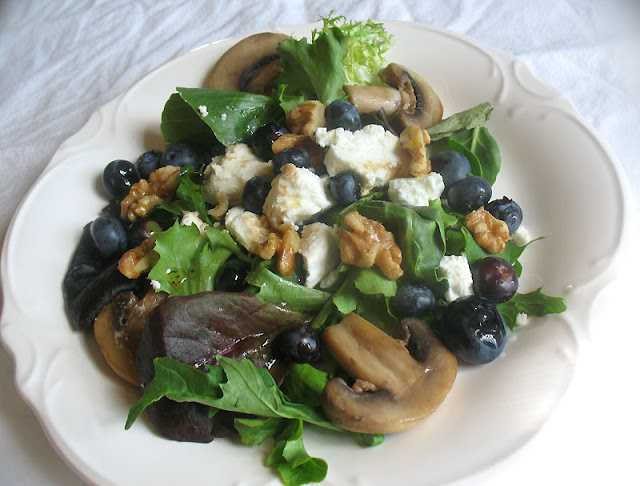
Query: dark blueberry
point(469, 194)
point(452, 166)
point(118, 177)
point(263, 138)
point(473, 329)
point(231, 277)
point(148, 162)
point(341, 113)
point(494, 279)
point(345, 187)
point(299, 343)
point(109, 236)
point(508, 211)
point(412, 300)
point(292, 155)
point(140, 230)
point(179, 155)
point(112, 209)
point(254, 194)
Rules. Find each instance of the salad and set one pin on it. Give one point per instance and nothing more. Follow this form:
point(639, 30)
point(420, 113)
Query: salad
point(315, 243)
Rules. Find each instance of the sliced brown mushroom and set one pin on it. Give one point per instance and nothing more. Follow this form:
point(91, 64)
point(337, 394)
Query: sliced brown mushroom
point(250, 65)
point(394, 390)
point(118, 329)
point(420, 104)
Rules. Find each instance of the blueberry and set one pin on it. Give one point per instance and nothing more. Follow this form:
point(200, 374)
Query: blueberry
point(341, 113)
point(148, 162)
point(345, 187)
point(508, 211)
point(412, 300)
point(180, 154)
point(469, 194)
point(452, 166)
point(263, 138)
point(298, 343)
point(109, 236)
point(254, 194)
point(292, 155)
point(473, 329)
point(494, 279)
point(232, 275)
point(118, 177)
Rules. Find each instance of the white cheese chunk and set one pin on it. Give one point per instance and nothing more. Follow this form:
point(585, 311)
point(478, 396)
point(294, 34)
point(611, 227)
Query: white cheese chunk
point(226, 175)
point(416, 191)
point(373, 153)
point(455, 268)
point(520, 237)
point(521, 319)
point(320, 250)
point(245, 227)
point(296, 194)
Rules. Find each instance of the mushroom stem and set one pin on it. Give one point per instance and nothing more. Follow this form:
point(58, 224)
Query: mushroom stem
point(371, 99)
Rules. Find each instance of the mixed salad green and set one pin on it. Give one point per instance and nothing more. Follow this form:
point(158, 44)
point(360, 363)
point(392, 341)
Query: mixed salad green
point(187, 260)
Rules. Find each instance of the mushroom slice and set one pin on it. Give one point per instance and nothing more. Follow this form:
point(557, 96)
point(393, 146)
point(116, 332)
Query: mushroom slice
point(394, 390)
point(371, 99)
point(118, 329)
point(250, 65)
point(420, 104)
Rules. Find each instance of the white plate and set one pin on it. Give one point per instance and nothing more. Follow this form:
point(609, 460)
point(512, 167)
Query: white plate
point(553, 165)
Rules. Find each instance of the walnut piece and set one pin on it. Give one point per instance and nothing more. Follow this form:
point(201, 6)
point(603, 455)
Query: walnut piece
point(144, 195)
point(368, 244)
point(288, 140)
point(305, 118)
point(138, 260)
point(490, 233)
point(414, 140)
point(289, 246)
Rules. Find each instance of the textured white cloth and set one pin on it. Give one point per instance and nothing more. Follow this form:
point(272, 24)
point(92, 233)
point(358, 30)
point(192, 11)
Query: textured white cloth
point(61, 60)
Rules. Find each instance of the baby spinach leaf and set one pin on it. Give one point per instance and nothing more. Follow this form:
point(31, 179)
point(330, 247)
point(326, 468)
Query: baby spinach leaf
point(304, 384)
point(180, 123)
point(370, 281)
point(479, 142)
point(231, 116)
point(464, 120)
point(533, 303)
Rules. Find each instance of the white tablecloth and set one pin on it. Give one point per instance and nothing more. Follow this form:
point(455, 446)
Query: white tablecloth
point(63, 59)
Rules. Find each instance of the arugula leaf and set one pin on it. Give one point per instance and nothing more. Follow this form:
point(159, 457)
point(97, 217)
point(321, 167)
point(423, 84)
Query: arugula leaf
point(478, 144)
point(188, 261)
point(314, 70)
point(304, 384)
point(291, 459)
point(464, 120)
point(235, 386)
point(275, 289)
point(256, 431)
point(231, 116)
point(533, 303)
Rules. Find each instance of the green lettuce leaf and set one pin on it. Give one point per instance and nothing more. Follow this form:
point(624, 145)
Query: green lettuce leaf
point(313, 70)
point(533, 303)
point(304, 384)
point(255, 431)
point(188, 260)
point(481, 149)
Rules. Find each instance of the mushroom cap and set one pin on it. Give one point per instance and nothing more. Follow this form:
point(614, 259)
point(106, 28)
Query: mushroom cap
point(420, 103)
point(250, 65)
point(394, 390)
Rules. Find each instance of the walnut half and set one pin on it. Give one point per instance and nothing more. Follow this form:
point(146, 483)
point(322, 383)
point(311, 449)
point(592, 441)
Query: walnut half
point(490, 233)
point(368, 244)
point(144, 195)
